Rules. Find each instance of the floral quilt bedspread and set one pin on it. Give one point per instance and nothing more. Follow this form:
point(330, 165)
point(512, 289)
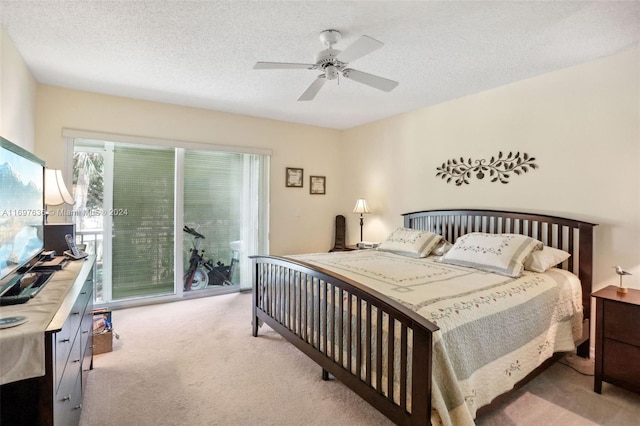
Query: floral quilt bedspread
point(494, 330)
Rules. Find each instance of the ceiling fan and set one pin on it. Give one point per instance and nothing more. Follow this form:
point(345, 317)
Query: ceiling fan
point(332, 63)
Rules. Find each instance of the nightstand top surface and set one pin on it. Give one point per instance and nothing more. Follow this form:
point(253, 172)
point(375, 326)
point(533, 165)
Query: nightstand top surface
point(610, 293)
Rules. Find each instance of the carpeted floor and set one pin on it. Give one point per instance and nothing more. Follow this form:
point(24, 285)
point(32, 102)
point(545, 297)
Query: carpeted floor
point(195, 362)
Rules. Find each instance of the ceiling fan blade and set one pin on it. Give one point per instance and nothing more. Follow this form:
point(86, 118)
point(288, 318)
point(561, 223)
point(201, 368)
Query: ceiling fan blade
point(370, 79)
point(362, 46)
point(282, 66)
point(313, 89)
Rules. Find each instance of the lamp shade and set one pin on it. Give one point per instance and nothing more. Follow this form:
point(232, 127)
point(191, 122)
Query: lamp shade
point(55, 191)
point(361, 206)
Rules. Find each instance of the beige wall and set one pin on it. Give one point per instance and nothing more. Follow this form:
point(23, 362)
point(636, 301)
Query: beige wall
point(17, 96)
point(299, 222)
point(581, 124)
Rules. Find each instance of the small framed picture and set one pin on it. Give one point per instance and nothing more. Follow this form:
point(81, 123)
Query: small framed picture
point(294, 177)
point(317, 184)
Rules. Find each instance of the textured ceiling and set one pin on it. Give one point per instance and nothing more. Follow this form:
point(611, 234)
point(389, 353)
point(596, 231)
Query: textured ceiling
point(201, 53)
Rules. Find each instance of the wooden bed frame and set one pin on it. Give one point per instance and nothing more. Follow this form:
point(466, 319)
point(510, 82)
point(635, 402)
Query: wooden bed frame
point(286, 296)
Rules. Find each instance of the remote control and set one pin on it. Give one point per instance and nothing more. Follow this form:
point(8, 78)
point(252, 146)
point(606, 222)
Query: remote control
point(14, 300)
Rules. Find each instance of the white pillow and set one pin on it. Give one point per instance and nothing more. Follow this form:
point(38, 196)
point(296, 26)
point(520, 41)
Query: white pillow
point(500, 253)
point(410, 242)
point(548, 257)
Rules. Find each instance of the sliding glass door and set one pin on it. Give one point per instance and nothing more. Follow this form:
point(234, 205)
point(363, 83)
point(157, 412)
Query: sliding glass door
point(88, 193)
point(156, 214)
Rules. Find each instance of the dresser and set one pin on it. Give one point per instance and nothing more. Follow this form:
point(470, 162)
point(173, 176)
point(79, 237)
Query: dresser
point(56, 397)
point(617, 339)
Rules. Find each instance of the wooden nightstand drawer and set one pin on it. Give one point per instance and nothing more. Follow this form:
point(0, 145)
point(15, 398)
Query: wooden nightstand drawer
point(617, 339)
point(621, 322)
point(623, 364)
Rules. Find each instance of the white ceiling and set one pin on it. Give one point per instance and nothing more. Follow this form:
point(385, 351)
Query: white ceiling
point(201, 53)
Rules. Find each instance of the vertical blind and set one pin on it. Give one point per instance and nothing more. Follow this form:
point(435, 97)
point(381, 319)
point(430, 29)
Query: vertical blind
point(143, 222)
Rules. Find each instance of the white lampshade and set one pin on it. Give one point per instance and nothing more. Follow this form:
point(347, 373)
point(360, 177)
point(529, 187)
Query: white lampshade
point(55, 191)
point(361, 206)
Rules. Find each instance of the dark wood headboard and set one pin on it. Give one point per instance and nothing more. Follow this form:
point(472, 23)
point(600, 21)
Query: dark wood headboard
point(573, 236)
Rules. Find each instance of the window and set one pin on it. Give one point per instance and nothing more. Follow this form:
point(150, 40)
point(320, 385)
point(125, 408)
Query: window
point(132, 201)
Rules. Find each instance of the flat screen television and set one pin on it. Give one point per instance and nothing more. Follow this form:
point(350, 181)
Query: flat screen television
point(21, 210)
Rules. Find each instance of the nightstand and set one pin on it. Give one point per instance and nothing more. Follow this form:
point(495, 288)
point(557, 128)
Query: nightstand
point(617, 339)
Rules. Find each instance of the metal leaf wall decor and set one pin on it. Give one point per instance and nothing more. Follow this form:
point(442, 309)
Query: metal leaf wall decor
point(498, 169)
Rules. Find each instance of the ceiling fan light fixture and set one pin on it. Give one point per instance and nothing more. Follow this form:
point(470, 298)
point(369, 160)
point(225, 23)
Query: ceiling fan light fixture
point(331, 72)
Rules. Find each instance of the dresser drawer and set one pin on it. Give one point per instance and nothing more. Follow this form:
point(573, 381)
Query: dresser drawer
point(66, 346)
point(620, 321)
point(87, 362)
point(77, 311)
point(63, 343)
point(67, 405)
point(66, 367)
point(86, 326)
point(85, 294)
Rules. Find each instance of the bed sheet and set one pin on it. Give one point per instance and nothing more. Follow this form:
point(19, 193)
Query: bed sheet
point(494, 330)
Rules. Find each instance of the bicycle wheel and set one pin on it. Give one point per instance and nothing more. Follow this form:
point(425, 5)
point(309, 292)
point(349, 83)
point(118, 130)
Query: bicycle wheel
point(200, 278)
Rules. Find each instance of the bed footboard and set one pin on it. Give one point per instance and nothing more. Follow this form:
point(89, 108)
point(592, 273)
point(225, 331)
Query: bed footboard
point(375, 346)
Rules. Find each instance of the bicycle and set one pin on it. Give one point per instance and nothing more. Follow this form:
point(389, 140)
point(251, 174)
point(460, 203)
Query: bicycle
point(201, 272)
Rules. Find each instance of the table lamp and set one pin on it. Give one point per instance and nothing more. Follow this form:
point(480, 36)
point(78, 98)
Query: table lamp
point(55, 191)
point(362, 208)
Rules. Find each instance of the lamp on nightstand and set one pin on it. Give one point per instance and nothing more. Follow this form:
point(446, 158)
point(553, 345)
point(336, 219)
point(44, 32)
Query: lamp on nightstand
point(362, 208)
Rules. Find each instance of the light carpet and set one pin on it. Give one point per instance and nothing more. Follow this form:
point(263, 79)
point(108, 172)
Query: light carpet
point(195, 362)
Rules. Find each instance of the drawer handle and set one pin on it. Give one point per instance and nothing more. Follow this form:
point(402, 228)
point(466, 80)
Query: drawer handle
point(66, 398)
point(85, 332)
point(76, 360)
point(77, 407)
point(86, 370)
point(75, 313)
point(65, 340)
point(83, 292)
